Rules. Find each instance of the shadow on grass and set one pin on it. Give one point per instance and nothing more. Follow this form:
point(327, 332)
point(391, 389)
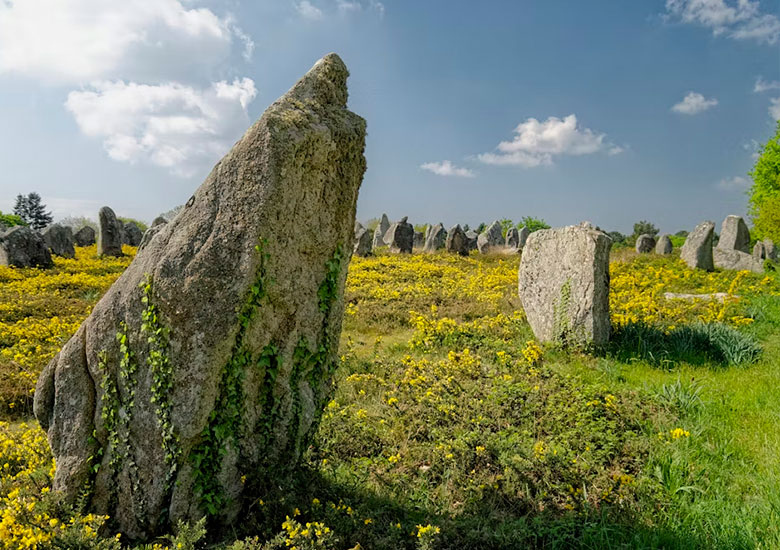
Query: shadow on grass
point(493, 523)
point(711, 344)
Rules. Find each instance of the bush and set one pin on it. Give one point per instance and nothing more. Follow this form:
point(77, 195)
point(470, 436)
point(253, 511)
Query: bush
point(532, 224)
point(10, 220)
point(765, 192)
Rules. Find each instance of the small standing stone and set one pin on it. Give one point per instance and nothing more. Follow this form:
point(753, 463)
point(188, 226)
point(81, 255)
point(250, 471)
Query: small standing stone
point(457, 241)
point(437, 238)
point(645, 243)
point(379, 232)
point(20, 246)
point(131, 234)
point(472, 237)
point(159, 220)
point(522, 236)
point(697, 250)
point(419, 239)
point(513, 238)
point(734, 234)
point(59, 239)
point(110, 235)
point(84, 236)
point(771, 250)
point(363, 241)
point(736, 260)
point(400, 237)
point(564, 285)
point(664, 245)
point(759, 251)
point(490, 239)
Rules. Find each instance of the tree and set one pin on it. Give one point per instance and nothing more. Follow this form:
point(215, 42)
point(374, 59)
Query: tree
point(506, 225)
point(765, 193)
point(32, 211)
point(644, 228)
point(532, 224)
point(617, 237)
point(10, 220)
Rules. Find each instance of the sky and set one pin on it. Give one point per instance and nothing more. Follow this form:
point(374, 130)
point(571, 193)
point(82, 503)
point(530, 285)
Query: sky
point(605, 111)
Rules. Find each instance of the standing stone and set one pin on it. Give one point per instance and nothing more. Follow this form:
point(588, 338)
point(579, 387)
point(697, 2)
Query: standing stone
point(437, 238)
point(736, 260)
point(159, 220)
point(522, 237)
point(231, 318)
point(490, 239)
point(771, 250)
point(513, 238)
point(419, 239)
point(131, 234)
point(664, 245)
point(153, 229)
point(697, 249)
point(564, 285)
point(472, 237)
point(84, 236)
point(759, 251)
point(59, 240)
point(379, 232)
point(457, 241)
point(400, 237)
point(363, 241)
point(645, 243)
point(110, 235)
point(734, 234)
point(20, 246)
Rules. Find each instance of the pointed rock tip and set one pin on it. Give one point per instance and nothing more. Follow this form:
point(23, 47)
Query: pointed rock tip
point(325, 83)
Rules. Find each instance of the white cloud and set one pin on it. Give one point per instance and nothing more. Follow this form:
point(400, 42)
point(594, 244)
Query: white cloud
point(446, 168)
point(307, 10)
point(178, 127)
point(740, 19)
point(694, 103)
point(737, 183)
point(765, 86)
point(774, 108)
point(83, 40)
point(538, 143)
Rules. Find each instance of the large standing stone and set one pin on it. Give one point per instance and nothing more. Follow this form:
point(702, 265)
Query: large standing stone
point(645, 243)
point(229, 320)
point(400, 237)
point(457, 241)
point(59, 239)
point(20, 246)
point(490, 239)
point(379, 232)
point(664, 246)
point(131, 234)
point(734, 234)
point(437, 238)
point(84, 236)
point(363, 242)
point(111, 233)
point(513, 238)
point(697, 249)
point(522, 237)
point(564, 285)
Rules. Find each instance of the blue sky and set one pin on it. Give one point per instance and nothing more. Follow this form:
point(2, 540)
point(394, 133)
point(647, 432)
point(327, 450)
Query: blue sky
point(603, 111)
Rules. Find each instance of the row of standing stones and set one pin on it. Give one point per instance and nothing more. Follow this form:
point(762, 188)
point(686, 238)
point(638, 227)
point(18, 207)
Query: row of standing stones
point(401, 237)
point(23, 247)
point(197, 380)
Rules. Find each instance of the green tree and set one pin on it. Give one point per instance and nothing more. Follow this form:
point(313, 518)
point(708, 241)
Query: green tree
point(765, 192)
point(506, 225)
point(10, 220)
point(533, 224)
point(32, 210)
point(644, 228)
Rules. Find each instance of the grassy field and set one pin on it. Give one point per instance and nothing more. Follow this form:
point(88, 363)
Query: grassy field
point(450, 427)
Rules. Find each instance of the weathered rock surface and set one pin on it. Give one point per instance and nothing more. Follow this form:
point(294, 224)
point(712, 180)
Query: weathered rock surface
point(664, 245)
point(645, 243)
point(697, 249)
point(436, 239)
point(512, 238)
point(59, 239)
point(131, 234)
point(84, 236)
point(400, 237)
point(472, 237)
point(522, 237)
point(736, 260)
point(770, 250)
point(20, 246)
point(229, 320)
point(457, 241)
point(734, 234)
point(379, 232)
point(111, 233)
point(759, 251)
point(491, 238)
point(363, 242)
point(419, 239)
point(564, 285)
point(159, 220)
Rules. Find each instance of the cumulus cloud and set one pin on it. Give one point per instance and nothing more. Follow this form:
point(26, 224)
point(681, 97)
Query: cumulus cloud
point(694, 103)
point(83, 40)
point(737, 183)
point(178, 127)
point(740, 19)
point(307, 10)
point(538, 143)
point(774, 108)
point(765, 86)
point(446, 168)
